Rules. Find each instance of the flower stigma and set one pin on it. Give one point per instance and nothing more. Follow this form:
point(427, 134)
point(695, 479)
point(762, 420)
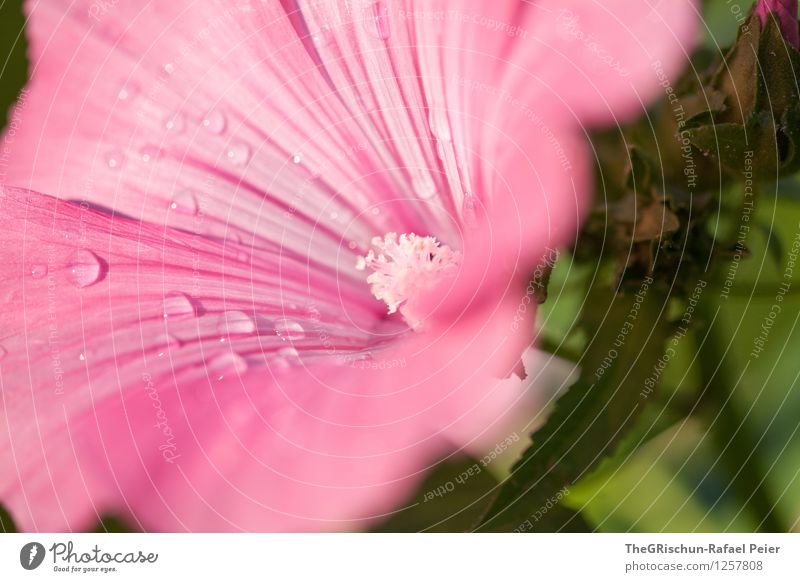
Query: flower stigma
point(404, 267)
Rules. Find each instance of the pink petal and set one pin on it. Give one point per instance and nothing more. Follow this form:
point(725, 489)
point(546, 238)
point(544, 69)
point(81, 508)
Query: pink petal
point(262, 162)
point(331, 447)
point(118, 101)
point(95, 122)
point(256, 440)
point(600, 60)
point(86, 298)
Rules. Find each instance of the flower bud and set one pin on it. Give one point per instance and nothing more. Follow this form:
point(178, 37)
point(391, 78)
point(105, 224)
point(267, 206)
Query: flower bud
point(786, 14)
point(757, 85)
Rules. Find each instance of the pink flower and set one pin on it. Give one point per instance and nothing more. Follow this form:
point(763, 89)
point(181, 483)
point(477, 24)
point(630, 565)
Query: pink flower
point(786, 15)
point(188, 340)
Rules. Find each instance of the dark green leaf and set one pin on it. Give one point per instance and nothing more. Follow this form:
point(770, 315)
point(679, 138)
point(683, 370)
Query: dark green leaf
point(6, 523)
point(113, 524)
point(13, 65)
point(591, 419)
point(452, 498)
point(779, 65)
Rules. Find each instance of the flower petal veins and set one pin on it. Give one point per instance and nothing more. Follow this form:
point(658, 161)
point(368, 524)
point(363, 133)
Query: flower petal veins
point(187, 339)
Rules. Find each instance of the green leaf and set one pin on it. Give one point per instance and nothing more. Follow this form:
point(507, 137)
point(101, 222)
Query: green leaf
point(590, 421)
point(789, 140)
point(779, 64)
point(789, 189)
point(639, 174)
point(13, 64)
point(114, 524)
point(737, 75)
point(760, 145)
point(6, 523)
point(452, 498)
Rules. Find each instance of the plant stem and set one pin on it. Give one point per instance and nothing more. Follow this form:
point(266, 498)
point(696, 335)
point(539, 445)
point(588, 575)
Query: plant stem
point(729, 433)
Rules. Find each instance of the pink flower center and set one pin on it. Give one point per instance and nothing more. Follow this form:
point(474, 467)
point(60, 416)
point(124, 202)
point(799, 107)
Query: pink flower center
point(405, 266)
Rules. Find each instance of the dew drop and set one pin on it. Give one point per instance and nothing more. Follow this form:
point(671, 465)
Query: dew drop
point(297, 158)
point(440, 151)
point(177, 305)
point(288, 357)
point(84, 268)
point(38, 270)
point(424, 185)
point(114, 159)
point(82, 357)
point(334, 215)
point(376, 211)
point(379, 20)
point(175, 123)
point(238, 154)
point(322, 37)
point(440, 124)
point(127, 93)
point(286, 329)
point(184, 202)
point(148, 153)
point(169, 68)
point(225, 365)
point(468, 211)
point(214, 121)
point(236, 323)
point(166, 344)
point(352, 245)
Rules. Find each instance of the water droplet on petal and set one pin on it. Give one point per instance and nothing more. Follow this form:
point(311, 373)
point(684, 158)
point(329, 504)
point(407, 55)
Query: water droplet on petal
point(424, 185)
point(82, 357)
point(177, 305)
point(226, 365)
point(128, 92)
point(288, 357)
point(352, 245)
point(468, 211)
point(235, 323)
point(38, 270)
point(239, 154)
point(440, 124)
point(169, 68)
point(297, 158)
point(286, 329)
point(175, 123)
point(440, 151)
point(148, 153)
point(84, 268)
point(166, 344)
point(376, 211)
point(114, 159)
point(214, 121)
point(184, 202)
point(378, 19)
point(322, 37)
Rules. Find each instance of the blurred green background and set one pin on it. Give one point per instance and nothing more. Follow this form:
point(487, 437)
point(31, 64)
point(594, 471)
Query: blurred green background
point(688, 477)
point(13, 48)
